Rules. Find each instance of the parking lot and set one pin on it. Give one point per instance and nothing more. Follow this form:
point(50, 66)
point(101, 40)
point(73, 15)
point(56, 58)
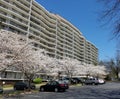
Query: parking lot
point(109, 90)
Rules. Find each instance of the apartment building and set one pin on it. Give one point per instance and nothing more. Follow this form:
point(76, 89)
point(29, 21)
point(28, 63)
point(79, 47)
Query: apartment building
point(49, 31)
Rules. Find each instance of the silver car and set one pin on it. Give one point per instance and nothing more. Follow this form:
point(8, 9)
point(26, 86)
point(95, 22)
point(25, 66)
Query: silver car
point(92, 81)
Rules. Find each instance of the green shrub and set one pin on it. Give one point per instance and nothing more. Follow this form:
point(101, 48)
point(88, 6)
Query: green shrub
point(37, 80)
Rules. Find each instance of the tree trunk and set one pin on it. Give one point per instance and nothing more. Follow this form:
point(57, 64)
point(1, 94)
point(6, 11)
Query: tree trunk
point(117, 75)
point(29, 85)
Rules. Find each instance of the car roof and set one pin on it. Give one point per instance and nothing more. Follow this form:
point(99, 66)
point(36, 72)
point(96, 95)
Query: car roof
point(20, 82)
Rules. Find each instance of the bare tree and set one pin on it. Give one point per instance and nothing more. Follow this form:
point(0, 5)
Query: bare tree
point(111, 15)
point(117, 63)
point(114, 68)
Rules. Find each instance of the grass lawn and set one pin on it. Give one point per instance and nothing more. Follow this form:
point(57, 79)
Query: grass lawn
point(10, 86)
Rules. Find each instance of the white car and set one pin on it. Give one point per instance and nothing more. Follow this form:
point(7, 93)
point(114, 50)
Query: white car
point(101, 81)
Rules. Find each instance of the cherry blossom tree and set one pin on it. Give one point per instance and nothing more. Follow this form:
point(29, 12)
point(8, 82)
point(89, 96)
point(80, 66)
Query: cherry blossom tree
point(89, 70)
point(9, 45)
point(69, 66)
point(48, 65)
point(81, 70)
point(100, 71)
point(96, 71)
point(30, 62)
point(52, 66)
point(16, 53)
point(58, 68)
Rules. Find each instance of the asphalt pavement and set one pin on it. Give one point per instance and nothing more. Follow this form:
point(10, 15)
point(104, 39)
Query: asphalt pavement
point(109, 90)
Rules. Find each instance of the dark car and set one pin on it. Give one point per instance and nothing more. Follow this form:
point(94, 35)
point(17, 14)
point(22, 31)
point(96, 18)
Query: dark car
point(69, 80)
point(1, 90)
point(92, 81)
point(76, 80)
point(54, 86)
point(23, 86)
point(64, 82)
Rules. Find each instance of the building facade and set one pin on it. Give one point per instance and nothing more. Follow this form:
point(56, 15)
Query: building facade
point(49, 31)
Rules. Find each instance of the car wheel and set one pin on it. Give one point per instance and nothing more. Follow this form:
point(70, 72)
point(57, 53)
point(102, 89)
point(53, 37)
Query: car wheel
point(56, 89)
point(42, 89)
point(24, 88)
point(64, 90)
point(33, 87)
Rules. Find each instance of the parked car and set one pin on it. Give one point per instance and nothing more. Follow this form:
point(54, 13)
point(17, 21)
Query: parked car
point(73, 80)
point(64, 82)
point(54, 86)
point(69, 80)
point(101, 81)
point(66, 79)
point(1, 90)
point(76, 80)
point(82, 79)
point(92, 81)
point(23, 86)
